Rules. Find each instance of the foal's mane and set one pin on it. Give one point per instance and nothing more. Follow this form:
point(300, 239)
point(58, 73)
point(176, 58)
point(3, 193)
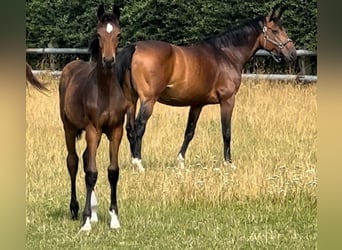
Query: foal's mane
point(238, 35)
point(94, 46)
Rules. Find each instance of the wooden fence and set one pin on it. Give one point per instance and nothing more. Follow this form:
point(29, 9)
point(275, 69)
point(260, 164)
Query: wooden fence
point(302, 77)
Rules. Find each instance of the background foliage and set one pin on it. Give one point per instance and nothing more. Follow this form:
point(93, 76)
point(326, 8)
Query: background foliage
point(71, 23)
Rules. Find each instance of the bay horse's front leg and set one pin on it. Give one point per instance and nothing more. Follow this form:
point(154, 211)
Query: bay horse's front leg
point(92, 138)
point(194, 114)
point(227, 107)
point(113, 175)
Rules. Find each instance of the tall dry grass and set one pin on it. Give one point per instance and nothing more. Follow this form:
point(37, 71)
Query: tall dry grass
point(274, 137)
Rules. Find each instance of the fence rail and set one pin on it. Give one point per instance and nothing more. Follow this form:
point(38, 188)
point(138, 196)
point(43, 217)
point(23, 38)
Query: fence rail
point(299, 78)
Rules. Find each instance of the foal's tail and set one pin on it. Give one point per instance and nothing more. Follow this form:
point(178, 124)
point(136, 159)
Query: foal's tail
point(123, 62)
point(33, 80)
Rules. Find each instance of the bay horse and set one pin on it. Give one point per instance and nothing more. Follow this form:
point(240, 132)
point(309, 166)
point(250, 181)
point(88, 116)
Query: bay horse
point(92, 100)
point(33, 80)
point(206, 72)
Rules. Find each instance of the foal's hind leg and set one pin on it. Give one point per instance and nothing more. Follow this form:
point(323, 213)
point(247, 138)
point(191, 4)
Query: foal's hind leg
point(194, 114)
point(72, 164)
point(113, 175)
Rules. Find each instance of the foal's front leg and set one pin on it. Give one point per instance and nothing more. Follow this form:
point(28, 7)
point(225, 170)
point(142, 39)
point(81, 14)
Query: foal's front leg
point(92, 138)
point(113, 175)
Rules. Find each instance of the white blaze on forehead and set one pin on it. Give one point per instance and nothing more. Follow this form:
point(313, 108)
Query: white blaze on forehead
point(109, 28)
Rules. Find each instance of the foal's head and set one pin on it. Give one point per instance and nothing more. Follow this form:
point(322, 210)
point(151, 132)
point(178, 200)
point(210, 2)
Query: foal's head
point(275, 39)
point(105, 45)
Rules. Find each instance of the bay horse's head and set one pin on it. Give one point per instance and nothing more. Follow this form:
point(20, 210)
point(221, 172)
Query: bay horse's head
point(108, 35)
point(274, 38)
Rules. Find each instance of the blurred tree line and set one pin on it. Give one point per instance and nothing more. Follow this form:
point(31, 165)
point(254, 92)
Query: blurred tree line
point(71, 24)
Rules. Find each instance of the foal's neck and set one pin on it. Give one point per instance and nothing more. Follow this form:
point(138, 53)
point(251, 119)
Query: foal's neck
point(105, 78)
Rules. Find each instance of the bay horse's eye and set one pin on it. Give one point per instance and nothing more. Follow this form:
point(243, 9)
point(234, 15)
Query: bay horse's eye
point(275, 32)
point(98, 35)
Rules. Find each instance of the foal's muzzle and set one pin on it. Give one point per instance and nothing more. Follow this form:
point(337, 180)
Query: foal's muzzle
point(108, 63)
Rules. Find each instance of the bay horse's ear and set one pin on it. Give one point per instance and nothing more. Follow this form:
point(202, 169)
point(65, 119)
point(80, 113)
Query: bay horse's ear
point(116, 11)
point(281, 12)
point(100, 11)
point(274, 10)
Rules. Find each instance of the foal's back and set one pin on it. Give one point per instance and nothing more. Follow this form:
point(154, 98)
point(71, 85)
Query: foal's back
point(75, 84)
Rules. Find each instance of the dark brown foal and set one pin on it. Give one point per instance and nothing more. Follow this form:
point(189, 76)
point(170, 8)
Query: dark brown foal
point(91, 99)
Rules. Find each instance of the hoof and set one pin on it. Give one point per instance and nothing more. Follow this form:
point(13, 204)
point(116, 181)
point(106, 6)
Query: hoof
point(94, 217)
point(230, 165)
point(86, 226)
point(138, 165)
point(181, 161)
point(74, 216)
point(114, 221)
point(74, 207)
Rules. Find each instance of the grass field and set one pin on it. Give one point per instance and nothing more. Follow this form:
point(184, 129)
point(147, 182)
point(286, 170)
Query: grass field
point(269, 202)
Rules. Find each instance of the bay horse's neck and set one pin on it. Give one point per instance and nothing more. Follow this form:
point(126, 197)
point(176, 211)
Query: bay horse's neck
point(240, 42)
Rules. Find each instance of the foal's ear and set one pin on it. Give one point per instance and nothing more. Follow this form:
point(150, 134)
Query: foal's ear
point(116, 11)
point(100, 11)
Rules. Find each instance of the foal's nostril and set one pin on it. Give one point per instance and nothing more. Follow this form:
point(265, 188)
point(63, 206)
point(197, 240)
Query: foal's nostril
point(108, 62)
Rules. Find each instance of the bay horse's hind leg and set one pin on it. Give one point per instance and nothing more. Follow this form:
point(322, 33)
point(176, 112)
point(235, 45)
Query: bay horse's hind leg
point(194, 114)
point(145, 112)
point(130, 124)
point(72, 164)
point(113, 175)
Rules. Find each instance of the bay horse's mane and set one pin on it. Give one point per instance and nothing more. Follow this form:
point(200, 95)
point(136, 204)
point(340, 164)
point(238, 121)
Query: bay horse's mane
point(94, 46)
point(238, 35)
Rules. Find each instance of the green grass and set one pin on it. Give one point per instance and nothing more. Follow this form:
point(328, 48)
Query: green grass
point(254, 224)
point(269, 202)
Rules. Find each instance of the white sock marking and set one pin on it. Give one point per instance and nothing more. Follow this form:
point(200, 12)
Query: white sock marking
point(137, 162)
point(180, 159)
point(114, 221)
point(94, 205)
point(86, 226)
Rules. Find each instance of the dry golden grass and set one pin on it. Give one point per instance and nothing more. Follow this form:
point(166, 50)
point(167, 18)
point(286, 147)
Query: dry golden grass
point(269, 202)
point(273, 145)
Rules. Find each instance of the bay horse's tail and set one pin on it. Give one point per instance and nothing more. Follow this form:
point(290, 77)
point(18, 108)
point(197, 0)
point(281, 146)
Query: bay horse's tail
point(123, 62)
point(30, 77)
